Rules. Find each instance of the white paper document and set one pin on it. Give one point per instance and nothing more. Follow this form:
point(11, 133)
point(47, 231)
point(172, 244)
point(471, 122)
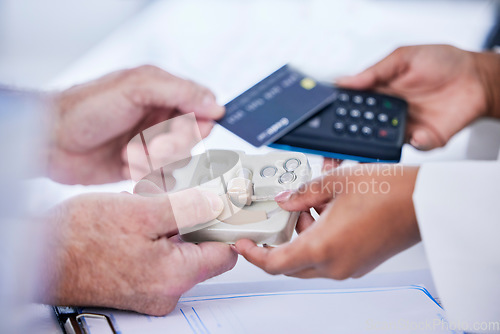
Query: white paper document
point(408, 309)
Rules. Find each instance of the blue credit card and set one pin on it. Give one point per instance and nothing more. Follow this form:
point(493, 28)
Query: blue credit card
point(276, 105)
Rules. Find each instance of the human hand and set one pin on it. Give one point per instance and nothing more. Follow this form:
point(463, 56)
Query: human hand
point(94, 122)
point(445, 87)
point(366, 216)
point(122, 251)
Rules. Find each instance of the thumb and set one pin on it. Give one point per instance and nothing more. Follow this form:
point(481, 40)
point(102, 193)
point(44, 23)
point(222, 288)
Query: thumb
point(201, 262)
point(379, 74)
point(315, 193)
point(193, 206)
point(424, 138)
point(216, 258)
point(169, 213)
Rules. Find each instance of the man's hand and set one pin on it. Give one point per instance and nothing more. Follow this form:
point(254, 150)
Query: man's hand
point(94, 122)
point(366, 216)
point(122, 251)
point(447, 88)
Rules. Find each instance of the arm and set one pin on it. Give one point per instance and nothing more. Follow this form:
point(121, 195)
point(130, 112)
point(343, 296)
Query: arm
point(488, 67)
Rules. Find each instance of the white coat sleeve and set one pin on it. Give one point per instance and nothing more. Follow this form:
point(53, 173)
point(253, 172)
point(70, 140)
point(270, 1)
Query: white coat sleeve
point(458, 212)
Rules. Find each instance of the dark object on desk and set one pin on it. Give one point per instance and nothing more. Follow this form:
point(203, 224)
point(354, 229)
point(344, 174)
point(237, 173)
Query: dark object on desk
point(291, 111)
point(361, 126)
point(72, 320)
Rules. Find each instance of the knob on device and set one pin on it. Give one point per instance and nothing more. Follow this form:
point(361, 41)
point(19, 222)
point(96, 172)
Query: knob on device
point(240, 188)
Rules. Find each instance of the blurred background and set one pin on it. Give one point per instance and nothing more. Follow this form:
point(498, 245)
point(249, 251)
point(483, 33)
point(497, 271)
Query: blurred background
point(40, 39)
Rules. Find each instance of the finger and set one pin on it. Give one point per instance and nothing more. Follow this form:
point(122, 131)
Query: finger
point(379, 74)
point(169, 213)
point(170, 147)
point(306, 273)
point(126, 174)
point(147, 187)
point(320, 208)
point(138, 172)
point(315, 193)
point(197, 263)
point(205, 127)
point(136, 161)
point(176, 239)
point(304, 222)
point(192, 206)
point(152, 87)
point(329, 164)
point(278, 260)
point(217, 258)
point(423, 138)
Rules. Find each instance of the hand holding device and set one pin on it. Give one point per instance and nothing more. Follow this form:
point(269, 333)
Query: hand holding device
point(246, 184)
point(443, 85)
point(93, 122)
point(291, 111)
point(122, 251)
point(358, 125)
point(366, 216)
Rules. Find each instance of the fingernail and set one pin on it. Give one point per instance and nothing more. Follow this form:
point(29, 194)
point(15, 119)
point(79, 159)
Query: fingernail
point(418, 144)
point(211, 109)
point(283, 196)
point(208, 100)
point(215, 202)
point(413, 142)
point(233, 247)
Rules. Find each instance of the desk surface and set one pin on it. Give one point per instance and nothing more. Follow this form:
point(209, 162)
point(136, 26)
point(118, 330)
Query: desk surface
point(229, 45)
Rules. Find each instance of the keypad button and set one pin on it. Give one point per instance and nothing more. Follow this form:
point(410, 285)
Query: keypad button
point(388, 134)
point(395, 122)
point(291, 164)
point(371, 101)
point(358, 99)
point(344, 97)
point(387, 104)
point(288, 177)
point(341, 111)
point(314, 123)
point(383, 118)
point(339, 127)
point(268, 171)
point(355, 113)
point(353, 128)
point(369, 115)
point(366, 131)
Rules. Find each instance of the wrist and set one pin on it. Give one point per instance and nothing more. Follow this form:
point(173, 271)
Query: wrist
point(52, 263)
point(56, 167)
point(488, 69)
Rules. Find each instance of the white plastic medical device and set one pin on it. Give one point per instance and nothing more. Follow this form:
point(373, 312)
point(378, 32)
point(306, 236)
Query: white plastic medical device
point(247, 184)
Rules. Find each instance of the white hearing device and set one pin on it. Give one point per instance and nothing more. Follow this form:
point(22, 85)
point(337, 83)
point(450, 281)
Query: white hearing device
point(247, 185)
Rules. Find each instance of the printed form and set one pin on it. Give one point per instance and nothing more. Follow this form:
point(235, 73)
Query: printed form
point(384, 310)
